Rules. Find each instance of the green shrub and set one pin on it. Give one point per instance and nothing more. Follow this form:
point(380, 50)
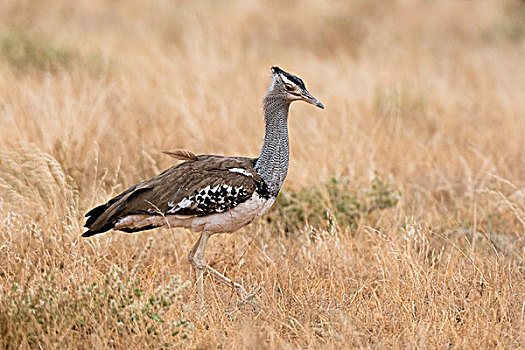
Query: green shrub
point(21, 51)
point(333, 202)
point(43, 314)
point(511, 25)
point(24, 51)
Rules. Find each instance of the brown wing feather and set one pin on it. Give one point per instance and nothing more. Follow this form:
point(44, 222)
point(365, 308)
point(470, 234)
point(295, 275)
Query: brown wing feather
point(181, 154)
point(172, 186)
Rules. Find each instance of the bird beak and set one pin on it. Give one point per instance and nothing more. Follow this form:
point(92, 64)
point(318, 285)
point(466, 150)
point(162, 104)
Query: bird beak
point(310, 99)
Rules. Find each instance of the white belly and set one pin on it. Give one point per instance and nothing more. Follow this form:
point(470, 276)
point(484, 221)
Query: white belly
point(228, 221)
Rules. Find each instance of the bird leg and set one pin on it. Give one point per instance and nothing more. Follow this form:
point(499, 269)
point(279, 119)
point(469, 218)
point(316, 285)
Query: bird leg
point(197, 260)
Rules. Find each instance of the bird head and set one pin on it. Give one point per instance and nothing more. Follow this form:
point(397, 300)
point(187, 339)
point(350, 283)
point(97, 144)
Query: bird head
point(290, 87)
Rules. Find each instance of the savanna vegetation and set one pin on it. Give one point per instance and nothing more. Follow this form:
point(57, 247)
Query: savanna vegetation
point(401, 223)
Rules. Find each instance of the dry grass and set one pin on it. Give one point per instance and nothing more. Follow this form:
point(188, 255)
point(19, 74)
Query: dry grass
point(430, 95)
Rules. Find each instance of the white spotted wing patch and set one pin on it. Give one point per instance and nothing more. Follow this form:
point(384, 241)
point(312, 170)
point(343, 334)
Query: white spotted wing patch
point(186, 202)
point(209, 200)
point(240, 171)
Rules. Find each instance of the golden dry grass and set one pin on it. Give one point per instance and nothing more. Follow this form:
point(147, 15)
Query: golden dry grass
point(430, 94)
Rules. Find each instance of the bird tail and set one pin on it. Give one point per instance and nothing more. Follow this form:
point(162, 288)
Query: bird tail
point(93, 225)
point(103, 218)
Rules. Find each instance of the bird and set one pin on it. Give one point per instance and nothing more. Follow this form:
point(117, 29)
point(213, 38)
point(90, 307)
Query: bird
point(211, 194)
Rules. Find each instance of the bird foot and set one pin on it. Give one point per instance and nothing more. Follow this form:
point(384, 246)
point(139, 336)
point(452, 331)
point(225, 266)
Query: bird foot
point(249, 300)
point(241, 291)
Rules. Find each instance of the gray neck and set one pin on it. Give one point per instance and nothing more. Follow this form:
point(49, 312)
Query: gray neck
point(272, 164)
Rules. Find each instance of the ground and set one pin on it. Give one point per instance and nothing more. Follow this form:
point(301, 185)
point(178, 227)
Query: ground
point(402, 220)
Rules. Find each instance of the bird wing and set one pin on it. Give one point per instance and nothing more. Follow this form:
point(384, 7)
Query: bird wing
point(199, 187)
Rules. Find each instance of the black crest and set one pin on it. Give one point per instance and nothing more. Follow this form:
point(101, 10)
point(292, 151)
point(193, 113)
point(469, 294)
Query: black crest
point(298, 81)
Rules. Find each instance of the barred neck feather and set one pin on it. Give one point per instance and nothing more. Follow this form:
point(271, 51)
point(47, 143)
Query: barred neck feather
point(272, 164)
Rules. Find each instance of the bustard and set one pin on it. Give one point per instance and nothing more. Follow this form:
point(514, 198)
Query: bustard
point(209, 193)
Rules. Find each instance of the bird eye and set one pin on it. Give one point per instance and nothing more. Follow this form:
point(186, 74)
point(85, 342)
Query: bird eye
point(288, 87)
